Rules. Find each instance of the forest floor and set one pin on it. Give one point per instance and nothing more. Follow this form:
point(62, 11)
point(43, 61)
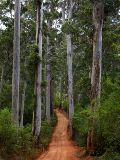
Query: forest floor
point(61, 146)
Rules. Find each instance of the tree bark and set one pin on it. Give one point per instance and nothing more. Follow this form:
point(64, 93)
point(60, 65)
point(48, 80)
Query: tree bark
point(69, 67)
point(38, 73)
point(70, 76)
point(16, 64)
point(48, 75)
point(98, 16)
point(98, 13)
point(51, 97)
point(23, 104)
point(69, 61)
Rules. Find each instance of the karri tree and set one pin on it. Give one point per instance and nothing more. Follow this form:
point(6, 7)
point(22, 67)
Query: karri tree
point(16, 64)
point(38, 71)
point(69, 64)
point(98, 17)
point(48, 68)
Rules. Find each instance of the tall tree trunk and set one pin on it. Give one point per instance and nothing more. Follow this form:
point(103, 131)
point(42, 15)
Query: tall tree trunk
point(48, 78)
point(69, 61)
point(69, 66)
point(16, 64)
point(98, 14)
point(1, 78)
point(38, 74)
point(23, 104)
point(60, 83)
point(48, 71)
point(51, 97)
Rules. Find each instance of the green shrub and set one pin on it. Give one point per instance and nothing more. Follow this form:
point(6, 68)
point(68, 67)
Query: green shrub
point(106, 127)
point(80, 126)
point(109, 155)
point(8, 133)
point(14, 140)
point(108, 132)
point(65, 105)
point(63, 102)
point(26, 142)
point(19, 142)
point(53, 120)
point(45, 134)
point(56, 101)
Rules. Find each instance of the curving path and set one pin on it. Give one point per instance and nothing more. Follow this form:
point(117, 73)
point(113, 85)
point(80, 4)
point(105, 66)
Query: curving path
point(61, 147)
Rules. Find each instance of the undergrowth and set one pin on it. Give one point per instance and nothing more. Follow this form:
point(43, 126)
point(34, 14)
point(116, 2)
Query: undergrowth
point(19, 143)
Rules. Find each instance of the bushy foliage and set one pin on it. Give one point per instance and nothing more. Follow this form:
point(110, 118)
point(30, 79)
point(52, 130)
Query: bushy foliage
point(14, 140)
point(56, 101)
point(109, 155)
point(69, 27)
point(65, 105)
point(44, 84)
point(53, 120)
point(20, 142)
point(6, 94)
point(8, 132)
point(80, 126)
point(45, 135)
point(61, 102)
point(25, 142)
point(33, 58)
point(106, 128)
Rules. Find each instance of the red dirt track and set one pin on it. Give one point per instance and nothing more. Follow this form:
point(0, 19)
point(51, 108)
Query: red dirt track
point(61, 147)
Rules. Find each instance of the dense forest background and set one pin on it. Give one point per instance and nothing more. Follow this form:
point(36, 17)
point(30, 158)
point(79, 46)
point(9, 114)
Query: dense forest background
point(47, 57)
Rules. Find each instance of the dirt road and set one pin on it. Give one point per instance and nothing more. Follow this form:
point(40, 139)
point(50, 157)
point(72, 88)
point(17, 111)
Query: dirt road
point(61, 148)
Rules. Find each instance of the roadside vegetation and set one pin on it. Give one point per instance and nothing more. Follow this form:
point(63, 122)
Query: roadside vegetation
point(19, 143)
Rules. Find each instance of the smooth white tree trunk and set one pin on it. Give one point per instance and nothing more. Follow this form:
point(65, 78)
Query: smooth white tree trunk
point(48, 78)
point(69, 65)
point(70, 76)
point(48, 71)
point(69, 61)
point(23, 104)
point(38, 75)
point(16, 64)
